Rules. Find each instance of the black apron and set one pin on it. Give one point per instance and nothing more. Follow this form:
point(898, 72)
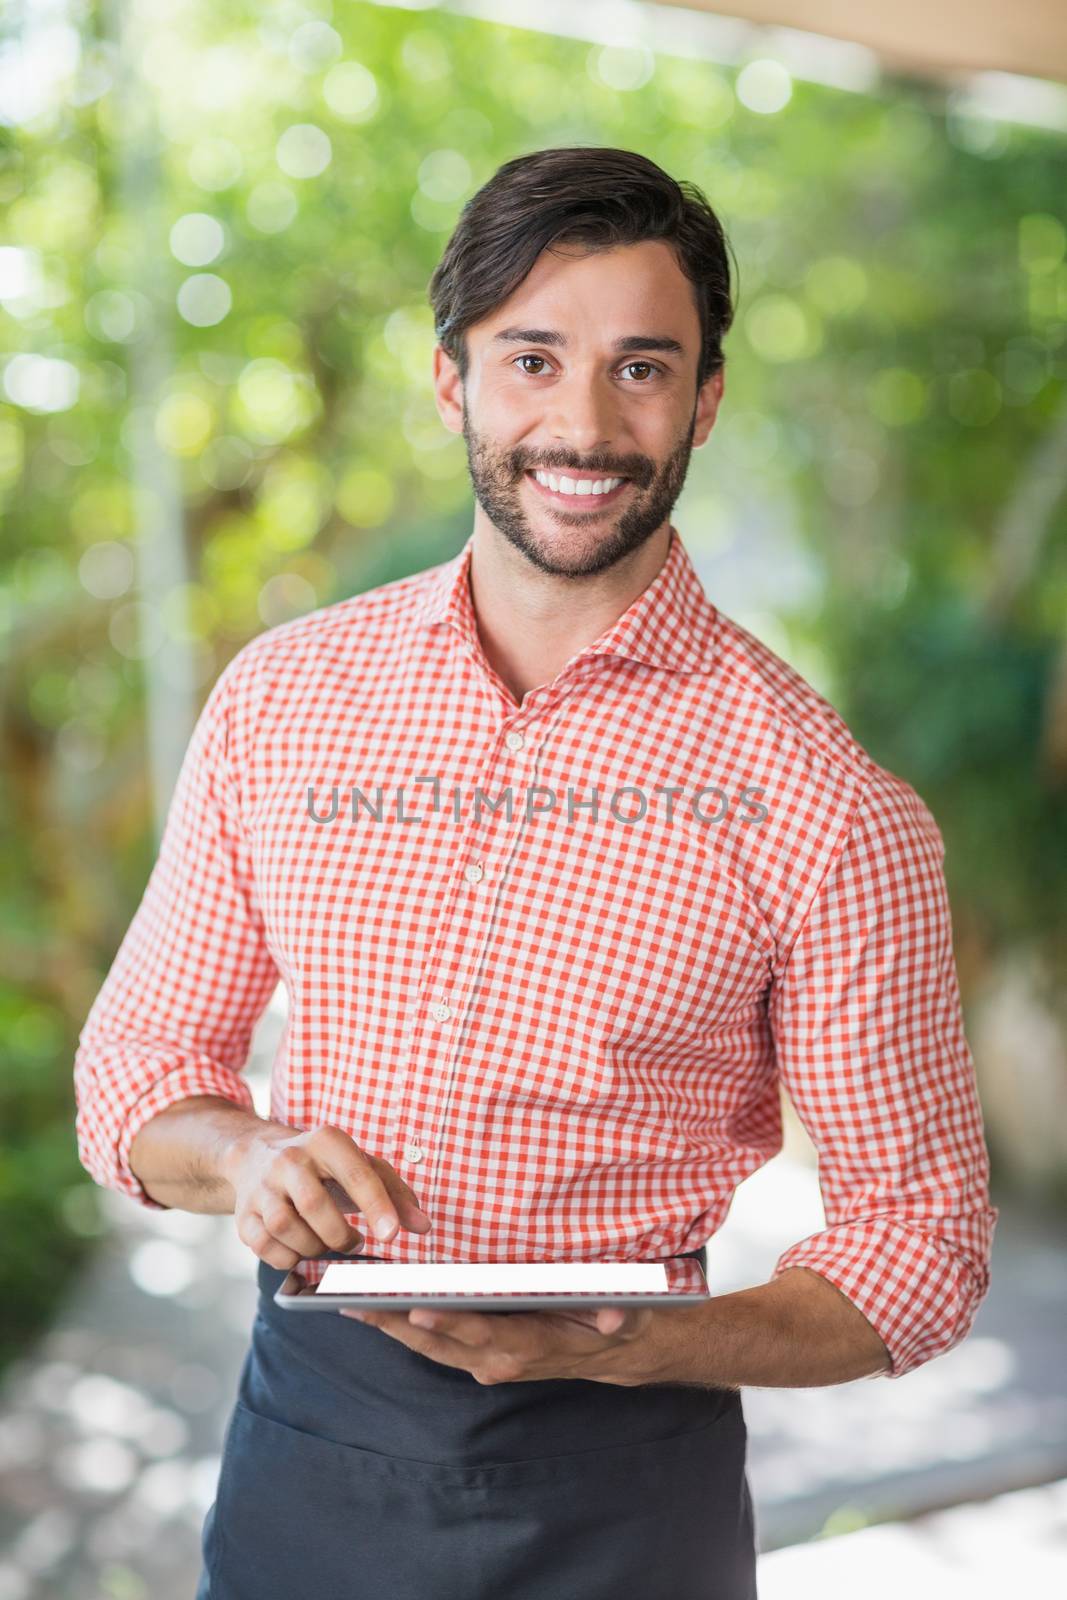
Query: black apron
point(354, 1468)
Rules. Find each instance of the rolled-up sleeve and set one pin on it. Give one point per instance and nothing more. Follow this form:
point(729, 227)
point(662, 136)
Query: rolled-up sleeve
point(175, 1015)
point(871, 1050)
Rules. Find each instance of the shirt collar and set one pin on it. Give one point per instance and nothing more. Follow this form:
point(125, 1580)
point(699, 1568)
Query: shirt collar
point(672, 624)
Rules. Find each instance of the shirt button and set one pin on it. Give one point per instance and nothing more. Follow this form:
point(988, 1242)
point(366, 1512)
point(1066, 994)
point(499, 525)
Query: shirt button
point(473, 873)
point(413, 1152)
point(514, 740)
point(440, 1011)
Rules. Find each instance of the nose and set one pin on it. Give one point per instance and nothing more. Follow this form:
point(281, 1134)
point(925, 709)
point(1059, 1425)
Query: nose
point(583, 415)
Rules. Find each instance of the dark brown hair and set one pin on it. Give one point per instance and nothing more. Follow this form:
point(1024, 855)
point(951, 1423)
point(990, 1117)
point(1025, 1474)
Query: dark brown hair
point(587, 195)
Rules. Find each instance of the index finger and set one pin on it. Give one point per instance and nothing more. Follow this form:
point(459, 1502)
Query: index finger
point(362, 1187)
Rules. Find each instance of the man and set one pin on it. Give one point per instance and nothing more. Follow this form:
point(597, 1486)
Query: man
point(565, 872)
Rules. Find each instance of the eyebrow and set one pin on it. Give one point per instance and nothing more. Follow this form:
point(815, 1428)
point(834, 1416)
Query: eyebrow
point(627, 344)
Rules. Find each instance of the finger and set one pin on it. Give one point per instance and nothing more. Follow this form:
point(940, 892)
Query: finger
point(585, 1315)
point(602, 1319)
point(294, 1180)
point(474, 1329)
point(283, 1222)
point(437, 1346)
point(606, 1319)
point(517, 1331)
point(365, 1185)
point(252, 1232)
point(309, 1195)
point(624, 1324)
point(609, 1319)
point(403, 1193)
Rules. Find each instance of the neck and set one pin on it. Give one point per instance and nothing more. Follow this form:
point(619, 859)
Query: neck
point(531, 622)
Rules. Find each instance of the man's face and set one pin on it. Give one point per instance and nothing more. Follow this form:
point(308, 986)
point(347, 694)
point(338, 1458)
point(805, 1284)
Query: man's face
point(577, 406)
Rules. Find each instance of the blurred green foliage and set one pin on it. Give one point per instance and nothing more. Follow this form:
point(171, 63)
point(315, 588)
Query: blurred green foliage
point(253, 197)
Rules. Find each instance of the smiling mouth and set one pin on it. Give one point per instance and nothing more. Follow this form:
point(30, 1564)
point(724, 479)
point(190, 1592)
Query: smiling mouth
point(579, 502)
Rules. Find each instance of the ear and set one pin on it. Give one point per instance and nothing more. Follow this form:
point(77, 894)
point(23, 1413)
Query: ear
point(707, 406)
point(448, 390)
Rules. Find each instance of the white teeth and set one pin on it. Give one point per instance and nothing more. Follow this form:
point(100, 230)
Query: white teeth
point(579, 486)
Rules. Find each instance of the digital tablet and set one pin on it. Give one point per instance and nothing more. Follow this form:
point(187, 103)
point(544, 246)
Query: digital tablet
point(367, 1284)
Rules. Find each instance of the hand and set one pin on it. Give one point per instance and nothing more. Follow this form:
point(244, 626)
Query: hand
point(610, 1345)
point(286, 1183)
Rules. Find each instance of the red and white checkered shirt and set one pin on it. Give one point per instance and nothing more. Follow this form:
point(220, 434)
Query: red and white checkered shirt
point(551, 961)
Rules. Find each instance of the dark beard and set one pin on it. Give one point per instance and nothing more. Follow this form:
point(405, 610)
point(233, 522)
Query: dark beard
point(497, 477)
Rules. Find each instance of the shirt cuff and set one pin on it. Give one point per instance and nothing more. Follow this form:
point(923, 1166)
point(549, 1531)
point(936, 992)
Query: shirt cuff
point(918, 1290)
point(181, 1084)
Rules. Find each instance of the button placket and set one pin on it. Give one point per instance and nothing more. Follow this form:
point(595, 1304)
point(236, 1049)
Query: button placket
point(515, 740)
point(474, 872)
point(459, 953)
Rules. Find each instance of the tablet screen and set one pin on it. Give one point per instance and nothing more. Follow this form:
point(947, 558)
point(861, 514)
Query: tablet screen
point(495, 1277)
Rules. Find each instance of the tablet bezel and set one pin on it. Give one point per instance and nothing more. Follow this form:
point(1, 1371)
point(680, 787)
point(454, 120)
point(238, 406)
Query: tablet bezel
point(294, 1293)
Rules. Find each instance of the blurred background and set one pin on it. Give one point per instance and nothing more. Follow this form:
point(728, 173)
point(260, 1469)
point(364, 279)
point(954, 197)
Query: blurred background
point(217, 226)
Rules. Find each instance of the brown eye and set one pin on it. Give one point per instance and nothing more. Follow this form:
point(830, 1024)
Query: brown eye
point(648, 366)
